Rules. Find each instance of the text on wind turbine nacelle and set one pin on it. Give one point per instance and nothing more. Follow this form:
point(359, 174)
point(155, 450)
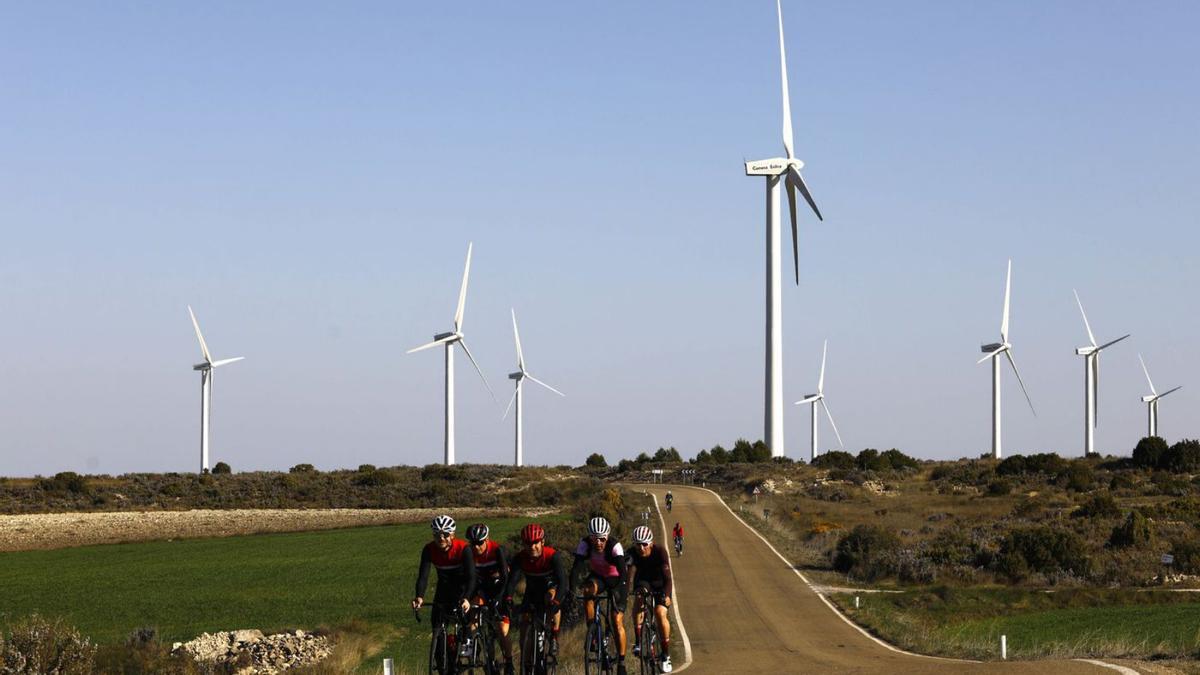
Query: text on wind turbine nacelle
point(770, 167)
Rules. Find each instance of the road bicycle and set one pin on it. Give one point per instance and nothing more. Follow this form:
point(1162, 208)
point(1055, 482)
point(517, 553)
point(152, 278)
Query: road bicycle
point(537, 656)
point(650, 643)
point(599, 641)
point(480, 624)
point(678, 545)
point(443, 644)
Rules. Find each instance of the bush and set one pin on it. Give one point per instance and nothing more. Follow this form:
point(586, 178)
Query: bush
point(745, 451)
point(867, 552)
point(375, 478)
point(835, 459)
point(1041, 550)
point(666, 455)
point(303, 468)
point(597, 460)
point(39, 645)
point(66, 482)
point(1182, 457)
point(1149, 451)
point(222, 468)
point(1100, 506)
point(1187, 556)
point(1135, 531)
point(1079, 476)
point(366, 468)
point(1000, 487)
point(1044, 463)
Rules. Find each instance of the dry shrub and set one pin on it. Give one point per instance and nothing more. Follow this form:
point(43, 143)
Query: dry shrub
point(36, 645)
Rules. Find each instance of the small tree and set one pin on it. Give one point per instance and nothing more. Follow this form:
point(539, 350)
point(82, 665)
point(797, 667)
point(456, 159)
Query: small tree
point(667, 455)
point(1184, 456)
point(1148, 453)
point(222, 468)
point(597, 460)
point(302, 468)
point(1137, 530)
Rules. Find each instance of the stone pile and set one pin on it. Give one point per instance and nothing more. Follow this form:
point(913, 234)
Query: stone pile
point(249, 652)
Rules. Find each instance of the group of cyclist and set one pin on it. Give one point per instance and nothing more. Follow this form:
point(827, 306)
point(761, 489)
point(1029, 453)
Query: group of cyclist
point(477, 571)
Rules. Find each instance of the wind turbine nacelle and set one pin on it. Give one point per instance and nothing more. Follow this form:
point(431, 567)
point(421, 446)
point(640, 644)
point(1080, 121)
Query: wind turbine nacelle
point(516, 376)
point(1147, 399)
point(770, 167)
point(202, 366)
point(442, 336)
point(1084, 351)
point(988, 349)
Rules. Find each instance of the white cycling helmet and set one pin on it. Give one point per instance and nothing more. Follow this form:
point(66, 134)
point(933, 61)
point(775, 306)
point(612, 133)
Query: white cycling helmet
point(642, 535)
point(598, 527)
point(443, 524)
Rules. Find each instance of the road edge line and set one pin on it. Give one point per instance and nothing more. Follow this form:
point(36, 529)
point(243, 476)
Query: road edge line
point(687, 644)
point(1124, 670)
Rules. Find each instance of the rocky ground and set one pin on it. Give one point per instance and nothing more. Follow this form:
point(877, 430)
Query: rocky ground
point(249, 652)
point(62, 530)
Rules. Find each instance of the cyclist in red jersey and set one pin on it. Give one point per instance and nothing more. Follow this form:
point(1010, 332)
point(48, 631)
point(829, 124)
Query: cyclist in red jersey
point(678, 534)
point(651, 569)
point(491, 569)
point(605, 560)
point(455, 563)
point(545, 573)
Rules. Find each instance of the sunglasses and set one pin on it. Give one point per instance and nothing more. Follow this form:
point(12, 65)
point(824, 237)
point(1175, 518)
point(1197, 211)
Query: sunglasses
point(645, 545)
point(444, 535)
point(600, 538)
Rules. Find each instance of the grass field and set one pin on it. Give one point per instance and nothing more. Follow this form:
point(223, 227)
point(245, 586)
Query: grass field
point(270, 582)
point(968, 623)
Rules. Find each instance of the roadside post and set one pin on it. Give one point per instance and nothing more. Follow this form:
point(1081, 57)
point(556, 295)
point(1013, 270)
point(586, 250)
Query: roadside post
point(387, 667)
point(1167, 560)
point(756, 493)
point(856, 602)
point(656, 475)
point(1004, 647)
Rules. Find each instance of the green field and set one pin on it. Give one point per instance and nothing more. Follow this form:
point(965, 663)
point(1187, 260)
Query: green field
point(968, 623)
point(270, 582)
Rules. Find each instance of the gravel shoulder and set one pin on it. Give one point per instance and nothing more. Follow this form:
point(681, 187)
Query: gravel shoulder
point(63, 530)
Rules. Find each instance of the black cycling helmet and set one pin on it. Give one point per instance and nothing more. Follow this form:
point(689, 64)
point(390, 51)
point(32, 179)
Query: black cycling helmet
point(477, 533)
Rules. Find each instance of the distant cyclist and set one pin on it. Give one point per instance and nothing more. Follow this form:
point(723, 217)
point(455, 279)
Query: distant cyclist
point(545, 572)
point(651, 570)
point(491, 569)
point(605, 560)
point(455, 563)
point(677, 532)
point(670, 500)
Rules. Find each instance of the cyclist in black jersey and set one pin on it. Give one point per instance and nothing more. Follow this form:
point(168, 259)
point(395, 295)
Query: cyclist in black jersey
point(650, 568)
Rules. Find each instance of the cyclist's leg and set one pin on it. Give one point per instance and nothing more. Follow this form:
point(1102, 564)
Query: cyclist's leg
point(616, 603)
point(639, 613)
point(664, 622)
point(591, 586)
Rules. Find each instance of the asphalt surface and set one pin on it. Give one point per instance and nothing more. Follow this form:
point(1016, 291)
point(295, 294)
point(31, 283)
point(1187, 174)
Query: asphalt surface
point(746, 611)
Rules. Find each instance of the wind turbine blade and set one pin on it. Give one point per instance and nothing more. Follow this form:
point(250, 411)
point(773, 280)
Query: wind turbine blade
point(511, 400)
point(544, 384)
point(795, 177)
point(1109, 344)
point(517, 337)
point(787, 105)
point(791, 193)
point(1147, 372)
point(1007, 295)
point(428, 345)
point(833, 424)
point(196, 325)
point(821, 377)
point(1168, 392)
point(225, 361)
point(988, 356)
point(463, 343)
point(807, 399)
point(1086, 325)
point(1016, 372)
point(462, 292)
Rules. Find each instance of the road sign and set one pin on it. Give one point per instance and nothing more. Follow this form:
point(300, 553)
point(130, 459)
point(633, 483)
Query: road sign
point(1168, 559)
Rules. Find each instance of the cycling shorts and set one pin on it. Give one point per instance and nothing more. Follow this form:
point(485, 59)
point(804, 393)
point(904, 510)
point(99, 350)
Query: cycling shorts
point(614, 587)
point(656, 589)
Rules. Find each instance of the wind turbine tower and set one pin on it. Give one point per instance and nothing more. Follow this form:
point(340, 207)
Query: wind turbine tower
point(519, 378)
point(819, 399)
point(993, 352)
point(206, 375)
point(450, 339)
point(1151, 401)
point(776, 170)
point(1091, 380)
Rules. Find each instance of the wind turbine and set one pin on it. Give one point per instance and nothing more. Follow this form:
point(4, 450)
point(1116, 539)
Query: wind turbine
point(519, 377)
point(449, 340)
point(1091, 380)
point(1151, 401)
point(993, 352)
point(787, 170)
point(206, 374)
point(819, 399)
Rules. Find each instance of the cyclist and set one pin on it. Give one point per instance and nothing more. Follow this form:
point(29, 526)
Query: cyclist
point(491, 569)
point(670, 500)
point(651, 570)
point(678, 533)
point(455, 563)
point(545, 572)
point(605, 559)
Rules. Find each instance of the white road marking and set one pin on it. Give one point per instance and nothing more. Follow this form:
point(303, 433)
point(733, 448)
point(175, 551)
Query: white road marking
point(687, 644)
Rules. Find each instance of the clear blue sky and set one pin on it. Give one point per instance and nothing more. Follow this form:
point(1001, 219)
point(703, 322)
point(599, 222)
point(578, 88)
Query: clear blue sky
point(308, 175)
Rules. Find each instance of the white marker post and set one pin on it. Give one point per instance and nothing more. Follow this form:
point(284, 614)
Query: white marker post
point(387, 667)
point(856, 602)
point(1004, 647)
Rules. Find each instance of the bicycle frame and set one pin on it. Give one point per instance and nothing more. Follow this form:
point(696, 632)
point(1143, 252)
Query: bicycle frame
point(599, 642)
point(650, 642)
point(535, 645)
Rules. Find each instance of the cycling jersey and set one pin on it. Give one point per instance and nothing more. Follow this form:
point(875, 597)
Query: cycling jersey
point(678, 531)
point(491, 567)
point(455, 571)
point(541, 574)
point(608, 562)
point(653, 569)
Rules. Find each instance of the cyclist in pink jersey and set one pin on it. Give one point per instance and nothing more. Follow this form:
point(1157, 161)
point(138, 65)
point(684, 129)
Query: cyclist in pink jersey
point(605, 560)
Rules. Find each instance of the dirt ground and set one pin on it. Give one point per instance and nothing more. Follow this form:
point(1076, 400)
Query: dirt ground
point(62, 530)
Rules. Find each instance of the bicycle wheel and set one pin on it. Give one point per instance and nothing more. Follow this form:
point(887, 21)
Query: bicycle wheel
point(437, 652)
point(487, 645)
point(592, 644)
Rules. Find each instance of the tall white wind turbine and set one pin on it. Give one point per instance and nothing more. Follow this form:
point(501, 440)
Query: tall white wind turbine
point(993, 352)
point(519, 378)
point(819, 399)
point(449, 340)
point(1151, 401)
point(206, 374)
point(787, 170)
point(1091, 380)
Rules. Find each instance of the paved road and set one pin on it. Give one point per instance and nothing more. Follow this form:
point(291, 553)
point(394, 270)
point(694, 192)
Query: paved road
point(746, 611)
